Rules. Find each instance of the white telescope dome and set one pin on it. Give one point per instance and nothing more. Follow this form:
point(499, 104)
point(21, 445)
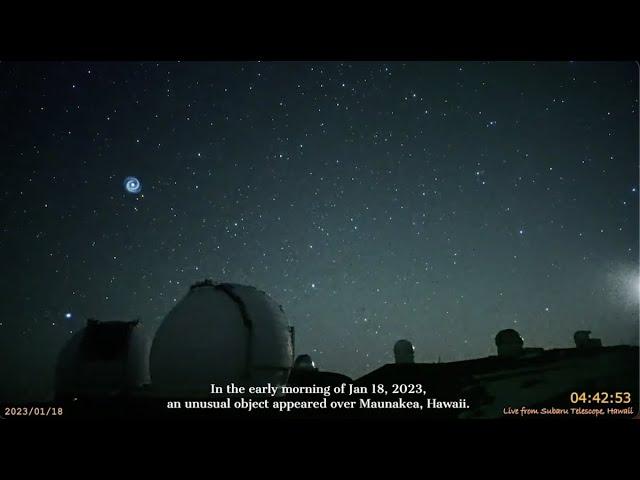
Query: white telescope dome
point(220, 334)
point(103, 359)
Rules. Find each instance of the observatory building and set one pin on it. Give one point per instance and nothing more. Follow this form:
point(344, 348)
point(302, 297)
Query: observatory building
point(104, 359)
point(305, 362)
point(403, 351)
point(221, 333)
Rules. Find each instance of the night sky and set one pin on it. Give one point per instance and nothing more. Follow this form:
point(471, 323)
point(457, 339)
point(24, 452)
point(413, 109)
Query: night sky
point(434, 201)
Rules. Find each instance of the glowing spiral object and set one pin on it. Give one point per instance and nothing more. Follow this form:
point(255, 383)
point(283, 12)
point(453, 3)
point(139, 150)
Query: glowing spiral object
point(132, 185)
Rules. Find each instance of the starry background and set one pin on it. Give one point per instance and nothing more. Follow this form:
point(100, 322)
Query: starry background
point(434, 201)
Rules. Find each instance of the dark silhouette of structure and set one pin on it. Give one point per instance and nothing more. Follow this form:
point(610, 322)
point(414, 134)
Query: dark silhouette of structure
point(509, 343)
point(403, 351)
point(581, 337)
point(304, 362)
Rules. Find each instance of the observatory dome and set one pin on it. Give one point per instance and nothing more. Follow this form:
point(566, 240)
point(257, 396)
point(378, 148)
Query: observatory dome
point(403, 351)
point(509, 343)
point(304, 362)
point(221, 333)
point(103, 359)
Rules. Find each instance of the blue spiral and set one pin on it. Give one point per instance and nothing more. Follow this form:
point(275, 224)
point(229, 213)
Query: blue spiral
point(132, 185)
